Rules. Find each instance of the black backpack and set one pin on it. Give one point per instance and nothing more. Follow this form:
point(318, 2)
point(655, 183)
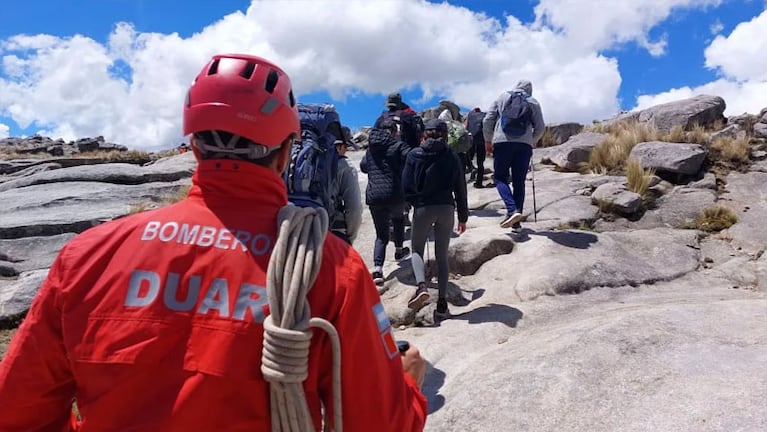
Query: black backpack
point(410, 125)
point(516, 115)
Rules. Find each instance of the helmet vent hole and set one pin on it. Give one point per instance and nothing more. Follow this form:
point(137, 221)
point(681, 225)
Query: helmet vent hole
point(213, 69)
point(291, 99)
point(247, 73)
point(271, 80)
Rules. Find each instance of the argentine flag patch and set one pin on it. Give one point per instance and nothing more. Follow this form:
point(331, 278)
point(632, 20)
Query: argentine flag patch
point(386, 331)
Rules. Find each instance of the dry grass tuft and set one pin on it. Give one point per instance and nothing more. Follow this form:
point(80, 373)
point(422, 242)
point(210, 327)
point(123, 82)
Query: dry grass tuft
point(714, 218)
point(729, 149)
point(610, 156)
point(637, 177)
point(698, 135)
point(169, 199)
point(548, 139)
point(180, 194)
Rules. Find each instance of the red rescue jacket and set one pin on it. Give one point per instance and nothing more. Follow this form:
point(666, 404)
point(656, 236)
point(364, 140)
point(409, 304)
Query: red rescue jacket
point(154, 323)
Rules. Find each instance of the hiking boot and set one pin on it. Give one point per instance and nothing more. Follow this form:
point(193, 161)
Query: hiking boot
point(478, 186)
point(420, 297)
point(378, 278)
point(441, 312)
point(516, 228)
point(511, 219)
point(403, 253)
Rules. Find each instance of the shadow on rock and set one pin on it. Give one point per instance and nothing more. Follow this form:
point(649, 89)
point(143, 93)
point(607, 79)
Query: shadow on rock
point(571, 239)
point(435, 379)
point(485, 212)
point(493, 312)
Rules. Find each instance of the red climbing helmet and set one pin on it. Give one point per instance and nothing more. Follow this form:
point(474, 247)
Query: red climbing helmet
point(244, 95)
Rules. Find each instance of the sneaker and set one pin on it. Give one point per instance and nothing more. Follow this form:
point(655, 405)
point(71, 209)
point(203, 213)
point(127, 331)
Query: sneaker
point(403, 253)
point(420, 297)
point(441, 312)
point(511, 219)
point(478, 186)
point(378, 278)
point(516, 228)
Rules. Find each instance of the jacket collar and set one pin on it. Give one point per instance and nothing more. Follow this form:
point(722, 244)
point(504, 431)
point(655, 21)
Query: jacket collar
point(238, 182)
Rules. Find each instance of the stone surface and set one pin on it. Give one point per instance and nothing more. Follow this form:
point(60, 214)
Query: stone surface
point(675, 158)
point(575, 151)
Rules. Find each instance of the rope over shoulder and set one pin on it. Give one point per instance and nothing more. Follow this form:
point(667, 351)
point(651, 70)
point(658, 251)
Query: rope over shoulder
point(293, 268)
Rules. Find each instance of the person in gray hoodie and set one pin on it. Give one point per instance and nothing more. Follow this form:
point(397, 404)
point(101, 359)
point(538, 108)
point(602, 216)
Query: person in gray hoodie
point(512, 151)
point(347, 216)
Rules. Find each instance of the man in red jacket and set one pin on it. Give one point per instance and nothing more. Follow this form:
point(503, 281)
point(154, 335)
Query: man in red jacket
point(154, 322)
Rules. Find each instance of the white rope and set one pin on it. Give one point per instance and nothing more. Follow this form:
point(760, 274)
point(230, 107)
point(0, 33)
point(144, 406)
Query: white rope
point(292, 270)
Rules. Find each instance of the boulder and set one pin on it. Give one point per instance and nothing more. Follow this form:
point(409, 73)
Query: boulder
point(471, 250)
point(674, 158)
point(571, 155)
point(701, 110)
point(617, 197)
point(561, 132)
point(760, 130)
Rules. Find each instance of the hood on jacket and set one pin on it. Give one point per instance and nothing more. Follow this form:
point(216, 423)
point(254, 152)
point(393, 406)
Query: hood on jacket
point(380, 139)
point(525, 86)
point(433, 145)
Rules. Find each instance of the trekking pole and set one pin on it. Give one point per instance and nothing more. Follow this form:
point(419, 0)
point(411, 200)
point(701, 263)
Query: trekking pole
point(532, 176)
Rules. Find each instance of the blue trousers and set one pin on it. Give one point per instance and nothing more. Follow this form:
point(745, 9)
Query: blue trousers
point(511, 159)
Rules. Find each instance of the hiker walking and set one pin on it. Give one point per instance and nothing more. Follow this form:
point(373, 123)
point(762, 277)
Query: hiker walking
point(383, 162)
point(458, 139)
point(157, 321)
point(511, 128)
point(347, 216)
point(434, 182)
point(409, 123)
point(474, 126)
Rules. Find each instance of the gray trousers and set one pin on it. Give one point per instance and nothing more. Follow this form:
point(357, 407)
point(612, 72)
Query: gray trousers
point(442, 218)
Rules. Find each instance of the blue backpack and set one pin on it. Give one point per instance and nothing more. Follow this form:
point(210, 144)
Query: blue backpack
point(516, 115)
point(311, 173)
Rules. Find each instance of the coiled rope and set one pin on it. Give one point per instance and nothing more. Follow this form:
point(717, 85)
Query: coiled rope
point(293, 268)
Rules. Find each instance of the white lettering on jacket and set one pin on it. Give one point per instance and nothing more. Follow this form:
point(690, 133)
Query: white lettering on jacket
point(207, 236)
point(250, 301)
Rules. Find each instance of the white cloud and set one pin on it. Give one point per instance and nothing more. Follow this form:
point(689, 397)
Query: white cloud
point(743, 54)
point(69, 86)
point(741, 60)
point(4, 131)
point(601, 24)
point(716, 27)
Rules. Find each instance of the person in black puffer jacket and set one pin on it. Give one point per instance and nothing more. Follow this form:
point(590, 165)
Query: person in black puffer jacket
point(383, 164)
point(434, 183)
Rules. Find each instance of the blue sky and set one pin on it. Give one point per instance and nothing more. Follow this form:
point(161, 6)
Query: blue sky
point(125, 75)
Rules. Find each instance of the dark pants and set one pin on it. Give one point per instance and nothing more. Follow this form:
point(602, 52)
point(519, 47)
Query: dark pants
point(514, 157)
point(442, 218)
point(479, 148)
point(383, 215)
point(466, 162)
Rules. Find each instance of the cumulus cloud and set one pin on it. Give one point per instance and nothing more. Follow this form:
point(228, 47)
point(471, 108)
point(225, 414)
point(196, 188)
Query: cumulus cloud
point(4, 130)
point(599, 24)
point(131, 88)
point(741, 54)
point(739, 58)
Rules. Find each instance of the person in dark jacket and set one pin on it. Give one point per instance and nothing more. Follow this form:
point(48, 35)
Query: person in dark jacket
point(434, 183)
point(383, 162)
point(474, 126)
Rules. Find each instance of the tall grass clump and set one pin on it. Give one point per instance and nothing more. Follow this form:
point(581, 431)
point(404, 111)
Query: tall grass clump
point(638, 178)
point(610, 155)
point(728, 149)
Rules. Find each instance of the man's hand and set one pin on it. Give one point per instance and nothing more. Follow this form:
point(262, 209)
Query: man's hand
point(414, 365)
point(489, 147)
point(461, 228)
